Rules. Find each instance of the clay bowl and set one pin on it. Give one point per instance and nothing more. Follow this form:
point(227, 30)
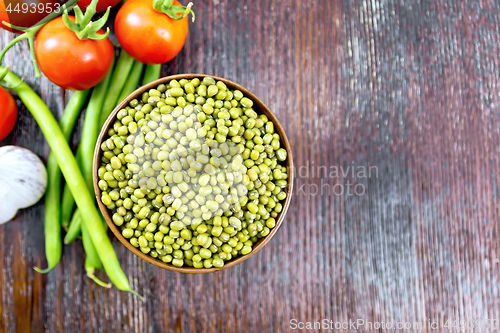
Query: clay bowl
point(260, 108)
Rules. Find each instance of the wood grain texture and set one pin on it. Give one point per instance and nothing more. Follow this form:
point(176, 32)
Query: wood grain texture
point(408, 87)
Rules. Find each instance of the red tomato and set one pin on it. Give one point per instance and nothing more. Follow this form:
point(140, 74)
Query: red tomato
point(8, 113)
point(69, 62)
point(25, 13)
point(102, 5)
point(148, 36)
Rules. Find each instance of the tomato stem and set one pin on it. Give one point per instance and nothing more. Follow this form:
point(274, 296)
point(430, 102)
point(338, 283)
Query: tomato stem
point(83, 26)
point(33, 56)
point(30, 33)
point(15, 27)
point(173, 11)
point(3, 73)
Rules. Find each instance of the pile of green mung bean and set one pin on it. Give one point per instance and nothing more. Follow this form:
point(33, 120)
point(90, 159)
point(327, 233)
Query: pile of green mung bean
point(192, 174)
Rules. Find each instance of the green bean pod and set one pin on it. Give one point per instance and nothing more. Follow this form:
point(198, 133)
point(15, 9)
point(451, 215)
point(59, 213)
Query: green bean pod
point(74, 227)
point(67, 201)
point(87, 145)
point(152, 73)
point(133, 81)
point(92, 261)
point(53, 243)
point(67, 205)
point(74, 177)
point(91, 128)
point(120, 76)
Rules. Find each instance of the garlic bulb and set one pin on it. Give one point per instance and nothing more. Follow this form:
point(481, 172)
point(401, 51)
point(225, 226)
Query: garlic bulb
point(23, 180)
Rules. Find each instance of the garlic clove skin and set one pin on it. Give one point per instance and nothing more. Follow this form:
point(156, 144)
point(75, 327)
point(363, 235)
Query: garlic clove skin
point(23, 180)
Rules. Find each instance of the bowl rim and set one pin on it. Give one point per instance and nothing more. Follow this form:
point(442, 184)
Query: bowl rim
point(263, 108)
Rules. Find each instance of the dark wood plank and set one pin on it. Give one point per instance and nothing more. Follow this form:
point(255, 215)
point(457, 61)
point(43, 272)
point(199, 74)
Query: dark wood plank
point(408, 87)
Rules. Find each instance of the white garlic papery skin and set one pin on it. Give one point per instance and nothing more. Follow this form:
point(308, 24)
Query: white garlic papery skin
point(23, 180)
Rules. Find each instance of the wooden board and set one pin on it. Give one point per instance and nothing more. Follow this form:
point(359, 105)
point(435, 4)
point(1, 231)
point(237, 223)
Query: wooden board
point(409, 88)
